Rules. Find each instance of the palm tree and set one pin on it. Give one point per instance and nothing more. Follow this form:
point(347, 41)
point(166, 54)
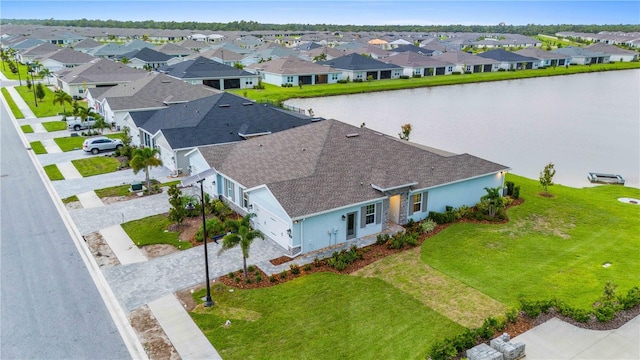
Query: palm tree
point(86, 112)
point(241, 234)
point(45, 73)
point(61, 97)
point(495, 200)
point(143, 159)
point(124, 60)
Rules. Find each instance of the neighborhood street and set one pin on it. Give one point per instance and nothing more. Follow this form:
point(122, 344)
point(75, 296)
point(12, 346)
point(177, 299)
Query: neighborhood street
point(50, 305)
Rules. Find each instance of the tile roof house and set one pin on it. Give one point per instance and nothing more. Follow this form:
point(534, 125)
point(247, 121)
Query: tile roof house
point(509, 60)
point(294, 71)
point(328, 182)
point(150, 92)
point(359, 68)
point(217, 119)
point(211, 73)
point(97, 73)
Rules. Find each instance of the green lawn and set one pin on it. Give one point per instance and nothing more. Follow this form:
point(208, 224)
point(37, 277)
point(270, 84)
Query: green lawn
point(321, 316)
point(38, 148)
point(12, 104)
point(151, 230)
point(54, 125)
point(96, 165)
point(70, 199)
point(552, 247)
point(22, 69)
point(71, 143)
point(27, 129)
point(278, 94)
point(45, 106)
point(53, 172)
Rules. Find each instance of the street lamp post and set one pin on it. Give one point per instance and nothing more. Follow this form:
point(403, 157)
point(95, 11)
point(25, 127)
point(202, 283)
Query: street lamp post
point(33, 82)
point(199, 178)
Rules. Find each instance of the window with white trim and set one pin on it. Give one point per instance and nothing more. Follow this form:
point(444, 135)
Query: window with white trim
point(450, 68)
point(245, 199)
point(289, 79)
point(417, 202)
point(228, 188)
point(370, 214)
point(334, 76)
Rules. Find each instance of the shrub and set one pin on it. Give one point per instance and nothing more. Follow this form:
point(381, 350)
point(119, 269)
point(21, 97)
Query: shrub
point(295, 269)
point(317, 262)
point(512, 315)
point(456, 73)
point(382, 239)
point(283, 274)
point(400, 240)
point(258, 278)
point(231, 274)
point(417, 75)
point(605, 312)
point(509, 185)
point(340, 260)
point(342, 81)
point(461, 212)
point(631, 299)
point(404, 77)
point(248, 280)
point(250, 268)
point(237, 279)
point(443, 350)
point(410, 226)
point(307, 267)
point(516, 192)
point(272, 279)
point(357, 80)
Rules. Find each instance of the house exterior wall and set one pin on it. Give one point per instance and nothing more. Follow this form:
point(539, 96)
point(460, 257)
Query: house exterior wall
point(466, 192)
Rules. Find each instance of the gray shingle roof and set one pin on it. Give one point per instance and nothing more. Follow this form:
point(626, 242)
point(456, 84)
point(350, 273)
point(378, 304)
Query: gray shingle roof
point(317, 167)
point(202, 68)
point(504, 55)
point(291, 66)
point(101, 71)
point(147, 55)
point(357, 62)
point(217, 119)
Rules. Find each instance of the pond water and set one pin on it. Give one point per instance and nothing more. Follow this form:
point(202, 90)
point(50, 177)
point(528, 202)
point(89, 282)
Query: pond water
point(582, 123)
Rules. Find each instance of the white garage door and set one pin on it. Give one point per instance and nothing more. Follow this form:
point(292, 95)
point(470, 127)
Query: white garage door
point(272, 226)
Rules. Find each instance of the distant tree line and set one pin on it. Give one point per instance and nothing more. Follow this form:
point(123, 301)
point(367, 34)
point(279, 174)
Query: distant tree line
point(529, 29)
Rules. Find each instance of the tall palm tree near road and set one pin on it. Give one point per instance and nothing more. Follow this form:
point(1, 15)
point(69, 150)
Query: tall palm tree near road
point(45, 73)
point(143, 159)
point(241, 234)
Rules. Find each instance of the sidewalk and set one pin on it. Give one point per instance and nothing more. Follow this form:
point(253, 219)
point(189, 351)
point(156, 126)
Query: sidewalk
point(26, 111)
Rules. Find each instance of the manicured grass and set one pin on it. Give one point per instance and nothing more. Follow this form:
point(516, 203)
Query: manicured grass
point(279, 94)
point(96, 165)
point(27, 129)
point(12, 104)
point(151, 230)
point(54, 125)
point(45, 107)
point(320, 316)
point(70, 199)
point(53, 172)
point(23, 73)
point(444, 294)
point(38, 148)
point(554, 41)
point(551, 247)
point(114, 191)
point(71, 143)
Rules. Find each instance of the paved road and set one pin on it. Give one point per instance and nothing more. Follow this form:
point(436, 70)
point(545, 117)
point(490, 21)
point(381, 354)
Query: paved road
point(50, 307)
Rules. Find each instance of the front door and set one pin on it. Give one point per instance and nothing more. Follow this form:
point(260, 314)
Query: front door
point(394, 209)
point(351, 225)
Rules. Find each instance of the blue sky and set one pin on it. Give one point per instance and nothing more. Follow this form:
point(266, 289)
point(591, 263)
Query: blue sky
point(358, 12)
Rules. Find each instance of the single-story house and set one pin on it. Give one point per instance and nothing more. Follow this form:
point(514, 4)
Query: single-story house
point(146, 58)
point(217, 119)
point(151, 92)
point(97, 73)
point(65, 58)
point(546, 58)
point(414, 64)
point(510, 60)
point(211, 73)
point(465, 62)
point(358, 67)
point(615, 53)
point(583, 56)
point(292, 70)
point(328, 182)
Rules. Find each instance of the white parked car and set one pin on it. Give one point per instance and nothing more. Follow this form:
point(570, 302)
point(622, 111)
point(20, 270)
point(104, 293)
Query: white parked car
point(101, 143)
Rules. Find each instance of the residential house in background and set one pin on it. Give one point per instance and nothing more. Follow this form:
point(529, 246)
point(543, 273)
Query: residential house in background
point(328, 182)
point(509, 60)
point(615, 53)
point(222, 118)
point(150, 92)
point(211, 73)
point(414, 64)
point(145, 58)
point(65, 58)
point(97, 73)
point(464, 62)
point(294, 71)
point(356, 67)
point(583, 56)
point(545, 58)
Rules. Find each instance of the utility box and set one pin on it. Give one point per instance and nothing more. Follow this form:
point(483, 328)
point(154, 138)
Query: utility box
point(136, 186)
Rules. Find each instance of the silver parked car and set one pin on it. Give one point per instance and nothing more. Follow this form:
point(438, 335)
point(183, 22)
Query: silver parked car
point(96, 144)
